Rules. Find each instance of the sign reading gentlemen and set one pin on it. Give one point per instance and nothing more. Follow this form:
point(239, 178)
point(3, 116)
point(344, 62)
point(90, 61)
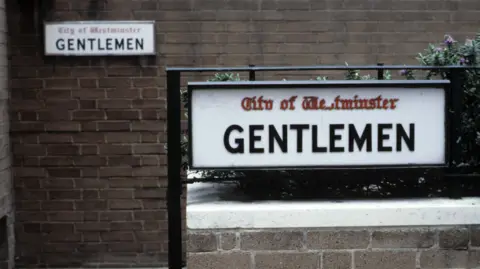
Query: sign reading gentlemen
point(99, 38)
point(317, 124)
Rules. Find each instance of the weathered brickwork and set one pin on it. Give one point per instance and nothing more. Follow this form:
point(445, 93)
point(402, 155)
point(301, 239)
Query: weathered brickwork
point(346, 248)
point(88, 133)
point(7, 238)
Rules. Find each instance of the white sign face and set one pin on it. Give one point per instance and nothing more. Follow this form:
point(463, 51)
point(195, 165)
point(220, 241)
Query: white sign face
point(326, 126)
point(97, 38)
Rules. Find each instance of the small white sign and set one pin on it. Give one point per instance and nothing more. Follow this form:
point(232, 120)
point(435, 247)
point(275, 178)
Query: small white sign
point(97, 38)
point(282, 125)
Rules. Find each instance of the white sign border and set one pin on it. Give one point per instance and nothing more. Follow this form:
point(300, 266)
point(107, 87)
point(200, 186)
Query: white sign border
point(444, 85)
point(46, 23)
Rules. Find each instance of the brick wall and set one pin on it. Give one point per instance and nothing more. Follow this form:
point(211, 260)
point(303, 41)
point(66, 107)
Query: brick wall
point(360, 248)
point(88, 135)
point(88, 132)
point(7, 238)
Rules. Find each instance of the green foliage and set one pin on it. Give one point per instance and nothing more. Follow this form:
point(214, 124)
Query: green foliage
point(225, 77)
point(452, 52)
point(353, 74)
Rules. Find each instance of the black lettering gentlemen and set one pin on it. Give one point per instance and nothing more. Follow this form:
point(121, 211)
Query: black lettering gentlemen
point(98, 44)
point(389, 138)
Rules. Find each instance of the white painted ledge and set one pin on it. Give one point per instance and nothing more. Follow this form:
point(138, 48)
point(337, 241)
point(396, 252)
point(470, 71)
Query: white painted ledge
point(207, 208)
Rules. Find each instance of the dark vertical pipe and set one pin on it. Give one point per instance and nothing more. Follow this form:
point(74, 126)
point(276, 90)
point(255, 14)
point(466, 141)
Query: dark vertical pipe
point(380, 72)
point(174, 171)
point(456, 98)
point(251, 73)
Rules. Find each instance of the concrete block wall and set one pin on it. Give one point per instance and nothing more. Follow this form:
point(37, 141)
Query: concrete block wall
point(341, 248)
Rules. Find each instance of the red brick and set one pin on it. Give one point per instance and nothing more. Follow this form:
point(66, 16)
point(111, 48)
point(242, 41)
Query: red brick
point(153, 126)
point(54, 150)
point(114, 83)
point(88, 138)
point(29, 172)
point(64, 195)
point(150, 236)
point(122, 247)
point(148, 149)
point(115, 236)
point(58, 114)
point(157, 193)
point(115, 149)
point(65, 216)
point(89, 205)
point(89, 149)
point(88, 115)
point(122, 137)
point(123, 114)
point(58, 227)
point(91, 236)
point(124, 93)
point(26, 83)
point(29, 150)
point(64, 172)
point(123, 71)
point(89, 71)
point(27, 116)
point(151, 161)
point(150, 215)
point(116, 194)
point(55, 138)
point(116, 216)
point(56, 94)
point(114, 126)
point(87, 104)
point(124, 160)
point(92, 227)
point(154, 204)
point(154, 225)
point(58, 183)
point(124, 204)
point(151, 93)
point(28, 183)
point(126, 226)
point(90, 161)
point(60, 237)
point(62, 126)
point(149, 171)
point(57, 205)
point(55, 161)
point(33, 195)
point(119, 103)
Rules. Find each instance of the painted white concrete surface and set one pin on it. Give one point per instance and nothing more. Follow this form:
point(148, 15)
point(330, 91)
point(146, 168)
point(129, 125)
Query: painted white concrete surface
point(208, 208)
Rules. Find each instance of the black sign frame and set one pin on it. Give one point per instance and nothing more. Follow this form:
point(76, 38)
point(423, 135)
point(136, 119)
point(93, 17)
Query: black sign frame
point(455, 73)
point(444, 85)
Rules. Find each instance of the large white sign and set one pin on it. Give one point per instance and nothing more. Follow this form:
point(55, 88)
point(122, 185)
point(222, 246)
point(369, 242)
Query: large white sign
point(87, 38)
point(317, 124)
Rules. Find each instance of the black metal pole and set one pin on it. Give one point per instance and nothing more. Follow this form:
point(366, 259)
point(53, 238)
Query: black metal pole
point(456, 97)
point(174, 171)
point(380, 74)
point(251, 73)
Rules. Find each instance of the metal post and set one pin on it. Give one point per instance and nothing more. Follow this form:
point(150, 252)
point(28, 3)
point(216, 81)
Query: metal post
point(251, 73)
point(456, 99)
point(380, 72)
point(174, 171)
